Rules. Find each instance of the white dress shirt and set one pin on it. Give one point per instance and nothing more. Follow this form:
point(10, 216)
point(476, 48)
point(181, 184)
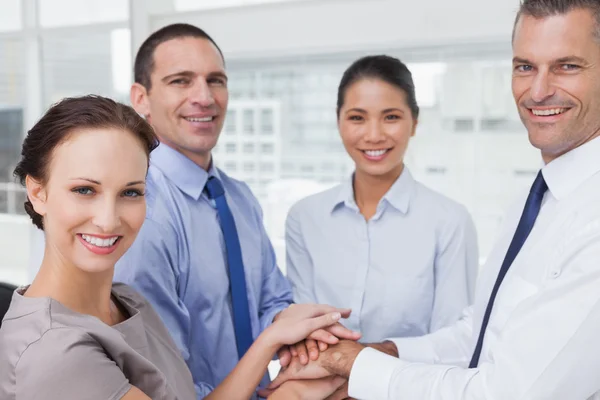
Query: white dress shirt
point(408, 271)
point(543, 337)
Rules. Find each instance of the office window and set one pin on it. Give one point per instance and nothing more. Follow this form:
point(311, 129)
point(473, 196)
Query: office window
point(10, 16)
point(266, 121)
point(267, 148)
point(249, 167)
point(230, 122)
point(230, 166)
point(267, 167)
point(230, 147)
point(81, 12)
point(248, 148)
point(248, 121)
point(91, 61)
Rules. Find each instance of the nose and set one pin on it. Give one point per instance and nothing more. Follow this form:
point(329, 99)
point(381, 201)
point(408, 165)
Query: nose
point(201, 94)
point(542, 87)
point(374, 134)
point(106, 216)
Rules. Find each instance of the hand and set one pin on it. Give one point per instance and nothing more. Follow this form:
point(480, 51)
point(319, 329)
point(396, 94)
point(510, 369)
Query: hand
point(300, 321)
point(336, 360)
point(305, 390)
point(317, 341)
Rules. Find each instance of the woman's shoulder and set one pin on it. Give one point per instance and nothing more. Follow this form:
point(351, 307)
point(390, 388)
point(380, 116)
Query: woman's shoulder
point(441, 205)
point(323, 201)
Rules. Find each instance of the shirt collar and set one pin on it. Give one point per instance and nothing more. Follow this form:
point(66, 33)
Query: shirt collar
point(183, 172)
point(566, 173)
point(398, 196)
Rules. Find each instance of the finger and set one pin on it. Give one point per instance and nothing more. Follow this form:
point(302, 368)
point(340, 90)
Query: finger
point(284, 356)
point(302, 352)
point(341, 332)
point(323, 346)
point(312, 348)
point(322, 309)
point(293, 351)
point(323, 336)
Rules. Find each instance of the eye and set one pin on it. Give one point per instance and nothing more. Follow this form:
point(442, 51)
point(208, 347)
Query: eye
point(569, 67)
point(217, 81)
point(132, 193)
point(523, 68)
point(84, 190)
point(392, 117)
point(355, 118)
point(180, 81)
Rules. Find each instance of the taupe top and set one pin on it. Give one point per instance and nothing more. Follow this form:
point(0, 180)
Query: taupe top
point(49, 352)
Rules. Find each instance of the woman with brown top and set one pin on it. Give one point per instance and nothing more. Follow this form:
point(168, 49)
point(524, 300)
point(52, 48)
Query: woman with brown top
point(72, 333)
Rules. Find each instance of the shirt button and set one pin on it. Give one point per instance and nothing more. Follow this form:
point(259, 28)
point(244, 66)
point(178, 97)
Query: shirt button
point(555, 273)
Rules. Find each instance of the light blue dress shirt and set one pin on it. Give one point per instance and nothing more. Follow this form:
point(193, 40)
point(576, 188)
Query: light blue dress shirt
point(408, 271)
point(178, 262)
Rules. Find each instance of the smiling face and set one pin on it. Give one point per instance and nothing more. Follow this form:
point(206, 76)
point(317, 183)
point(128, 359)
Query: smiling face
point(92, 202)
point(557, 87)
point(188, 98)
point(376, 124)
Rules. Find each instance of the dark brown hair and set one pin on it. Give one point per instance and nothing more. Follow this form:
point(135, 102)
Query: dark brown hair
point(386, 68)
point(144, 60)
point(60, 121)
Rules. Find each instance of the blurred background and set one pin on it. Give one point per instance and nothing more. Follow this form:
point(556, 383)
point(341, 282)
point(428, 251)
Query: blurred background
point(284, 59)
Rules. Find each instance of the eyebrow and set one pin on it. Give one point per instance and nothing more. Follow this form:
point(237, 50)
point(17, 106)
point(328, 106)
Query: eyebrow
point(562, 60)
point(190, 74)
point(98, 182)
point(360, 110)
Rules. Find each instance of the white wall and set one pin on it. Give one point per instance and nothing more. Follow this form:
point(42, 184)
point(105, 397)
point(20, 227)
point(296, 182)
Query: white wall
point(326, 26)
point(15, 248)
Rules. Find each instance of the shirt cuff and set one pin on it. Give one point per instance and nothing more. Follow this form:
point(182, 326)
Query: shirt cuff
point(414, 349)
point(371, 375)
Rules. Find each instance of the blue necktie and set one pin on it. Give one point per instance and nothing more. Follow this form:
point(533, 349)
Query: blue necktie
point(237, 279)
point(530, 213)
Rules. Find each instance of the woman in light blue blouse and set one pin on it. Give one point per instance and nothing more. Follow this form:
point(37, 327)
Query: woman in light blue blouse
point(401, 255)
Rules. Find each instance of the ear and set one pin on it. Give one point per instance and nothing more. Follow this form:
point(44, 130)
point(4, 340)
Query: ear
point(414, 128)
point(36, 193)
point(138, 96)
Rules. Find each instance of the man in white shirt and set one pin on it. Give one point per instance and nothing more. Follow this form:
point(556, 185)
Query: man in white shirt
point(542, 339)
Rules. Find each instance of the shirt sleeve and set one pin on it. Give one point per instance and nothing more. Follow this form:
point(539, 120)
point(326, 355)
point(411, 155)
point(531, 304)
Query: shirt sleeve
point(68, 364)
point(456, 267)
point(299, 263)
point(547, 349)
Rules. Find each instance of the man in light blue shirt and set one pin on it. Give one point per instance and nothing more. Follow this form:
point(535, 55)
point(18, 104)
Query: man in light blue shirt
point(179, 260)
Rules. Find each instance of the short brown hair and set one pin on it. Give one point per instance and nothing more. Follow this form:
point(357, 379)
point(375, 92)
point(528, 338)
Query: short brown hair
point(144, 59)
point(60, 120)
point(546, 8)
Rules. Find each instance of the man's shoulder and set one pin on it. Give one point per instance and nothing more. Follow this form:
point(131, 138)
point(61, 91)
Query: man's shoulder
point(238, 190)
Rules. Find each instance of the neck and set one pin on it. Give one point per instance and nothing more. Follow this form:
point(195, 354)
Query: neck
point(203, 159)
point(81, 291)
point(370, 189)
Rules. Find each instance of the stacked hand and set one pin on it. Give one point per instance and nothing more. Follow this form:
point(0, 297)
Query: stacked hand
point(318, 340)
point(333, 366)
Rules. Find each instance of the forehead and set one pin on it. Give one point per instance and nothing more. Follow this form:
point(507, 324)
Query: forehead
point(372, 92)
point(98, 152)
point(187, 54)
point(555, 36)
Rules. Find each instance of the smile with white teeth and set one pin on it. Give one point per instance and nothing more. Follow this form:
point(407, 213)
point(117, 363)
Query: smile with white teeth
point(100, 242)
point(203, 119)
point(375, 153)
point(545, 113)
